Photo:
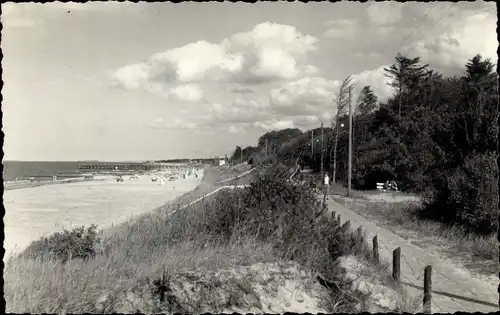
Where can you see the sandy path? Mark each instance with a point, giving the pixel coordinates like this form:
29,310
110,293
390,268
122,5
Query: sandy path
34,212
446,278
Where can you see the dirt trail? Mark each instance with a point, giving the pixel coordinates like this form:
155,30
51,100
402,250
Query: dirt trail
462,292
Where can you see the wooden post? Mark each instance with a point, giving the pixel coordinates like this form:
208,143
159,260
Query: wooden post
427,289
338,219
359,240
359,234
396,264
346,226
375,250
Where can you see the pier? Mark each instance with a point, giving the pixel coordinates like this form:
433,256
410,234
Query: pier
128,166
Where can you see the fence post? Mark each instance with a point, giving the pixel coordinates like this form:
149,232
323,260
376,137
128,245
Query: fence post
359,234
396,264
346,226
359,240
375,250
427,289
334,218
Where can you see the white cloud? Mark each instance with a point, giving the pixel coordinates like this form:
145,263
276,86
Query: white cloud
193,61
384,13
188,93
133,76
269,52
377,80
461,39
309,95
236,129
302,103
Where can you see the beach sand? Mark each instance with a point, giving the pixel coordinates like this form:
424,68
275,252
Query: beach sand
37,211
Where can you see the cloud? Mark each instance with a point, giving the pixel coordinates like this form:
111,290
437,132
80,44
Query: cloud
275,124
236,129
240,111
188,93
301,103
309,95
270,52
242,91
384,13
377,80
137,76
341,29
177,124
449,35
465,35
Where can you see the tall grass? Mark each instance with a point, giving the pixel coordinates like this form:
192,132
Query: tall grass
271,221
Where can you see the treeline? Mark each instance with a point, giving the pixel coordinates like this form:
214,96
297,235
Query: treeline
436,136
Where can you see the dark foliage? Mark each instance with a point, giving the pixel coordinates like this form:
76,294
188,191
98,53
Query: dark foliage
78,243
436,136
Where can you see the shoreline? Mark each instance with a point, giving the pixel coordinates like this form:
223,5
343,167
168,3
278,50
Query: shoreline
23,185
46,209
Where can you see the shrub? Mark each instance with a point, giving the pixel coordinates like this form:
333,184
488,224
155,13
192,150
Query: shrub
76,244
276,212
466,195
474,192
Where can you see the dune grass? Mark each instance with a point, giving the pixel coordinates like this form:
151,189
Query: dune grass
271,221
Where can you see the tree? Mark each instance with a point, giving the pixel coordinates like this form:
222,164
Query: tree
367,102
342,101
406,74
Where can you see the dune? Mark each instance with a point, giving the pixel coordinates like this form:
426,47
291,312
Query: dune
31,213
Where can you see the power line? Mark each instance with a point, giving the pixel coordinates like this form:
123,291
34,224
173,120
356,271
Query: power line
445,14
418,25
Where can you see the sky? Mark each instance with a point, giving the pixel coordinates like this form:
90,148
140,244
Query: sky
141,81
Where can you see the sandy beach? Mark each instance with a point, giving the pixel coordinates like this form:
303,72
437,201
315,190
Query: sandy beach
37,211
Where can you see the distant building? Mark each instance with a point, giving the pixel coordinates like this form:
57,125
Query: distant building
222,161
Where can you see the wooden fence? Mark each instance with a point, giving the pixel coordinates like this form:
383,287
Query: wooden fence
396,261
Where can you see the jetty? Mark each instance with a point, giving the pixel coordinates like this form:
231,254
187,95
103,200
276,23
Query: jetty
129,166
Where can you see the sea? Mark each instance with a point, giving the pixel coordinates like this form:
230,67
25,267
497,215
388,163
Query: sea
40,171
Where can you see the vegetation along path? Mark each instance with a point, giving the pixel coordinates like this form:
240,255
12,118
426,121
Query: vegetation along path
453,289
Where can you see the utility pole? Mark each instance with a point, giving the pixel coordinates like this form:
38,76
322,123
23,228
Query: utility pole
322,141
349,174
312,144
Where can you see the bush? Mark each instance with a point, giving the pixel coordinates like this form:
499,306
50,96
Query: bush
474,192
76,244
270,211
466,195
276,212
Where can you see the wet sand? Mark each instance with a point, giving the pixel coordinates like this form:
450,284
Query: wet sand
37,211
